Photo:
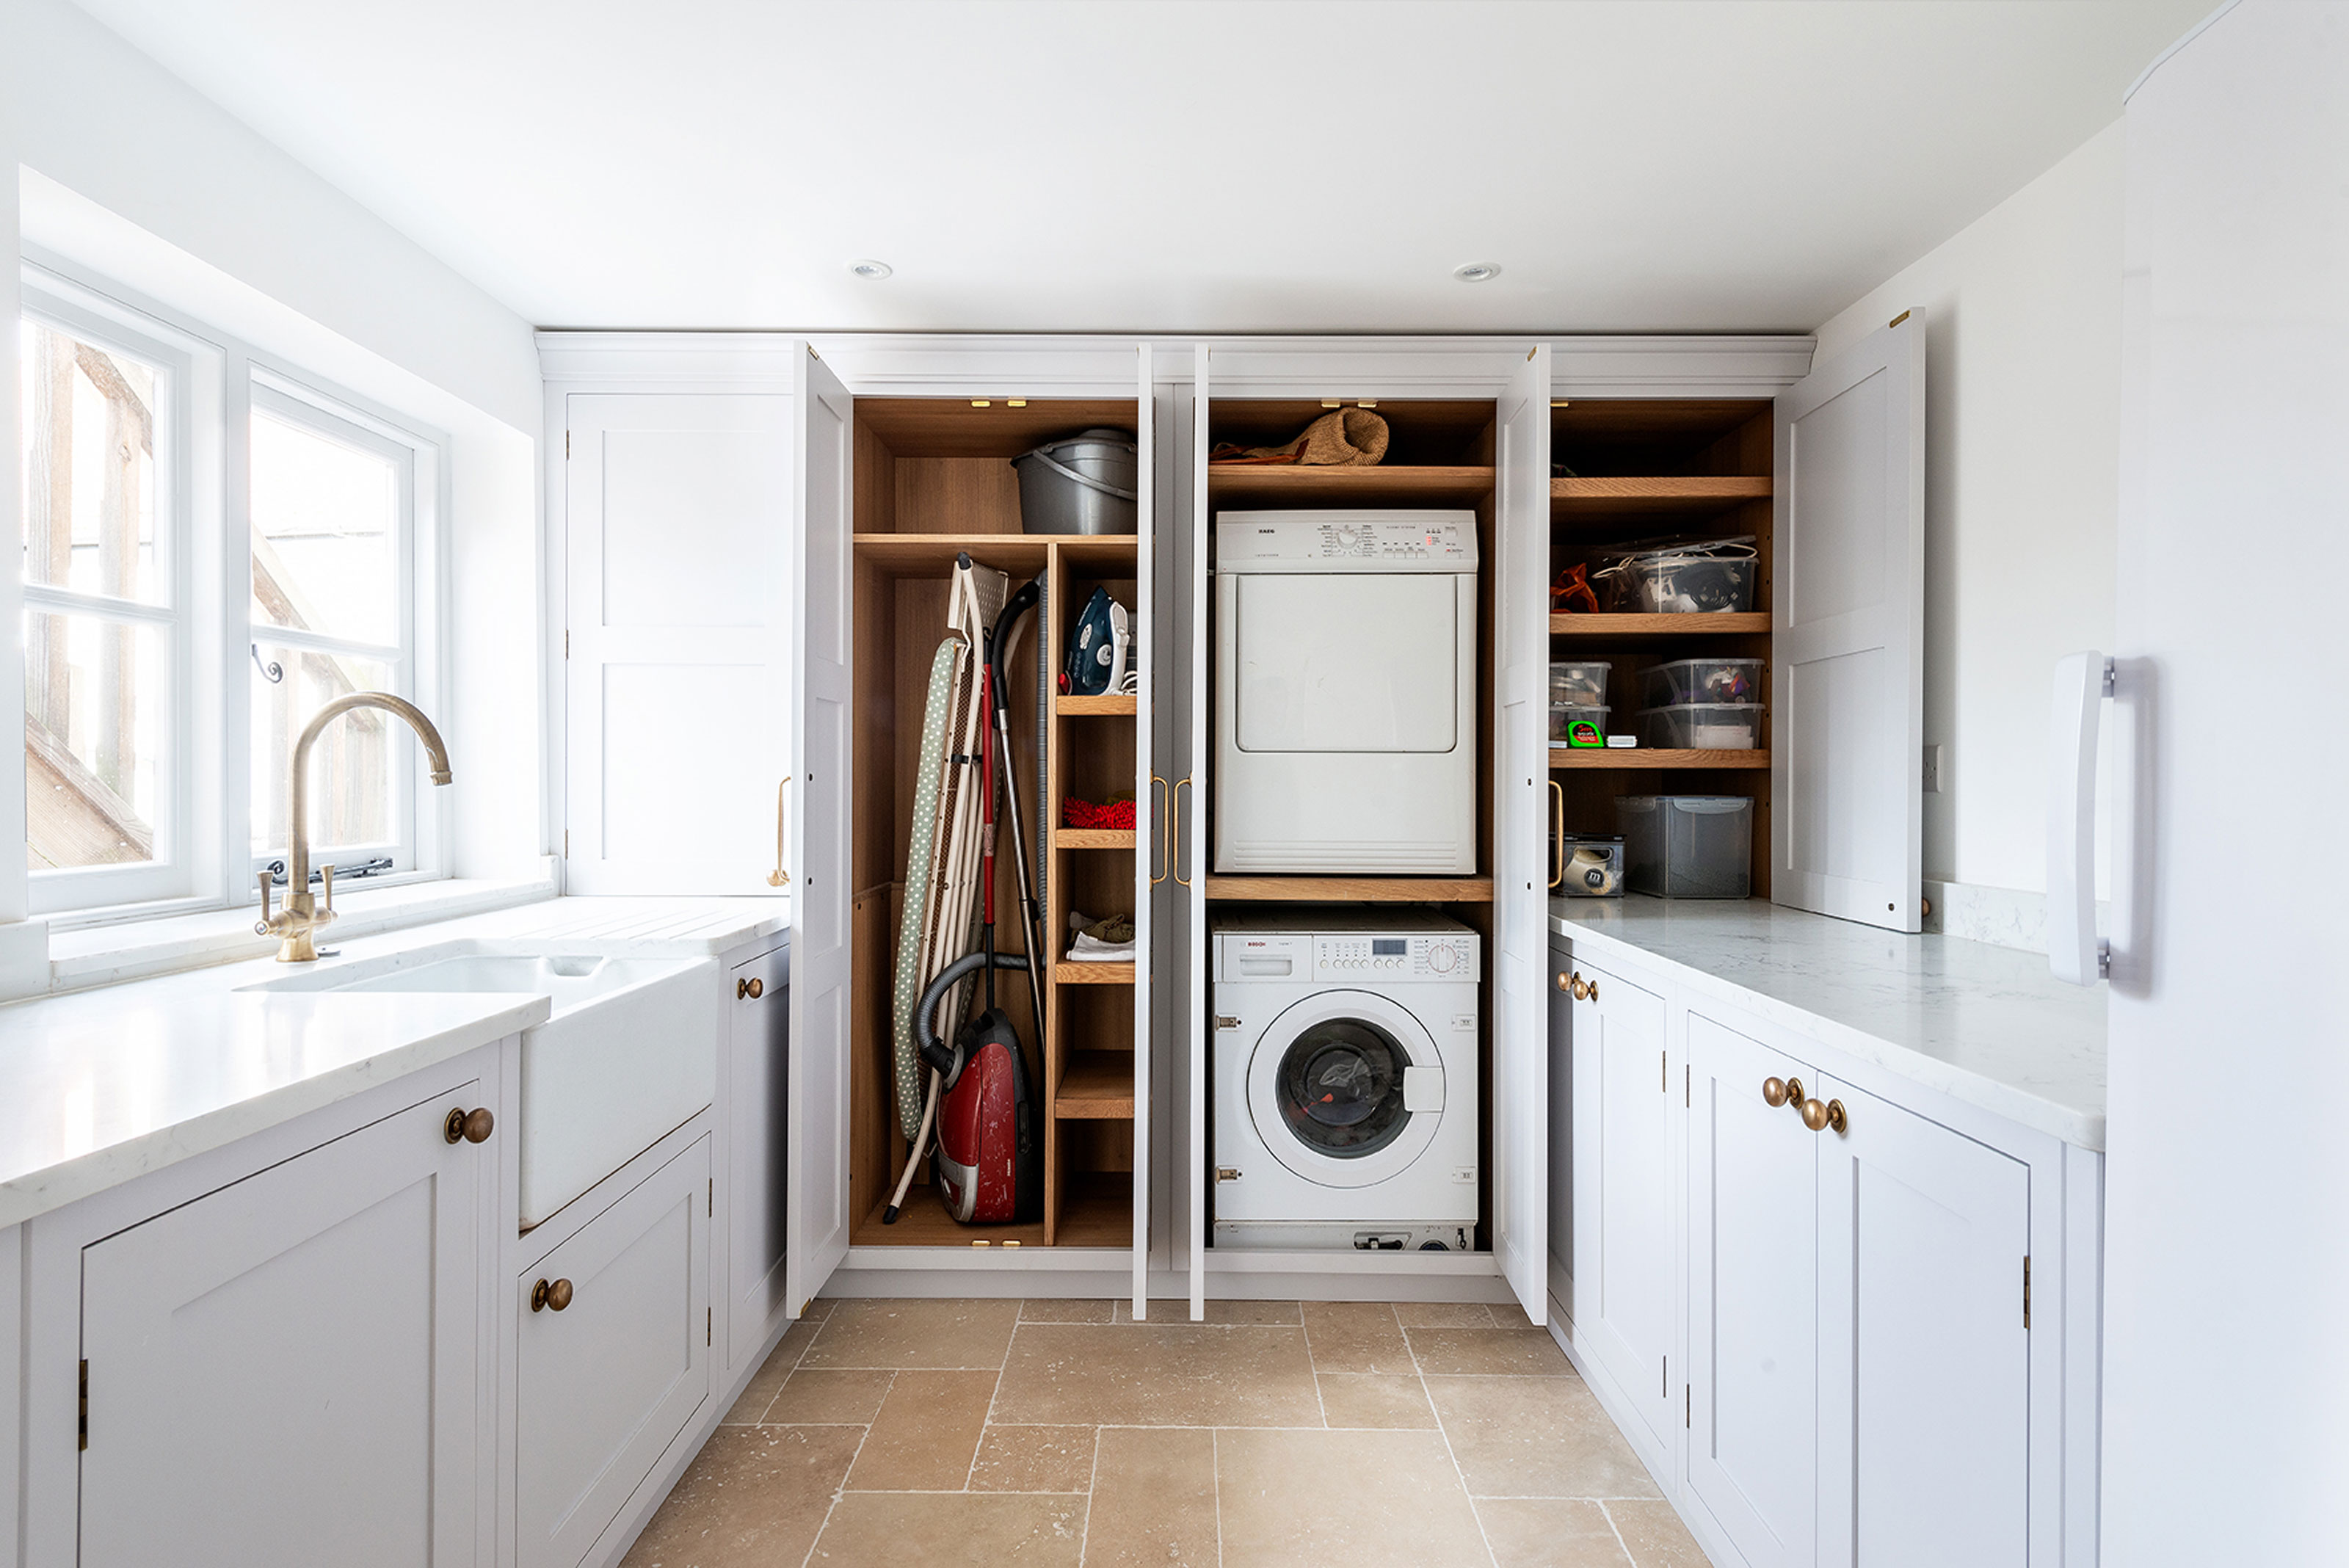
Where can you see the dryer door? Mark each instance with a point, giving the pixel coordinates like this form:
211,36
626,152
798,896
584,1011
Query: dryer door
1346,662
1346,1089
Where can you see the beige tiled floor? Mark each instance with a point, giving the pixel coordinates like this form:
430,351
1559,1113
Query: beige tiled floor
1063,1433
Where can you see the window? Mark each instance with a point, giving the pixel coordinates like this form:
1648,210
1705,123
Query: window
214,549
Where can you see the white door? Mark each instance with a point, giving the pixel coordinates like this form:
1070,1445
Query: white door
285,1371
1924,1386
612,1359
1751,1406
1146,425
1561,1134
1626,1274
1847,641
758,1062
1520,1097
1190,860
679,619
817,1218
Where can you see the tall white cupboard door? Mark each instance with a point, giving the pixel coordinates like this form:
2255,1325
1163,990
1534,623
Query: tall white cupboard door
1924,1351
1188,843
758,1062
1627,1100
1847,634
678,625
816,1201
612,1359
1145,848
1562,1144
1520,1098
1751,1407
284,1371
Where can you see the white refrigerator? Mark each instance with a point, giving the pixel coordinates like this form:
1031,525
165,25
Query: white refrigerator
2226,1350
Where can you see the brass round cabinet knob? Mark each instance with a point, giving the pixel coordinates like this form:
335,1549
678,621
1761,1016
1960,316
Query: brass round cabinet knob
1774,1092
473,1125
1583,990
1565,982
550,1295
1814,1115
753,988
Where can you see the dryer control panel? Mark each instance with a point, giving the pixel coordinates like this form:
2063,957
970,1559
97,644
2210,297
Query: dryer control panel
1399,956
1355,539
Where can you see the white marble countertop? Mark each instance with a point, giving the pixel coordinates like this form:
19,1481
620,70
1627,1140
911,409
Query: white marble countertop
1987,1025
101,1085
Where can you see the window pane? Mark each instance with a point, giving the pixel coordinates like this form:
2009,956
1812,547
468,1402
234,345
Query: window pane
325,524
350,765
94,696
89,439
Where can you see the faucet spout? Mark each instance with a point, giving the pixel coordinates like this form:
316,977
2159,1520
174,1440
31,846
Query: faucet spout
303,913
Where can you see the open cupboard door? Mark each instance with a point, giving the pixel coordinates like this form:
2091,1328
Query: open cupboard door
816,1202
1520,946
1190,864
1146,847
1848,633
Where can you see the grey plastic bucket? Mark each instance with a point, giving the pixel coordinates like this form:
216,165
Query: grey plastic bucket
1084,483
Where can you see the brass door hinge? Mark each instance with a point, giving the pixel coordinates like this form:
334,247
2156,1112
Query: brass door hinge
85,1403
2027,1292
1897,319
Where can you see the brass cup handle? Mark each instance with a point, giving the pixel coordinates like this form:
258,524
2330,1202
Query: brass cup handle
550,1295
753,988
472,1127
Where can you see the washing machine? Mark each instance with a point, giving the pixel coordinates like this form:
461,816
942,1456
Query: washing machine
1346,692
1345,1081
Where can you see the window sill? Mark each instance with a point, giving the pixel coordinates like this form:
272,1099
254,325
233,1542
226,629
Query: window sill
106,955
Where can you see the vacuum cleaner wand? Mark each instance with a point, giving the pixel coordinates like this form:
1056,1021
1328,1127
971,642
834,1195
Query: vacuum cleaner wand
1001,641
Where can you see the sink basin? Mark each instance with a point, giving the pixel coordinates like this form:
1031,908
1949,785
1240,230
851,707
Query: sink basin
629,1054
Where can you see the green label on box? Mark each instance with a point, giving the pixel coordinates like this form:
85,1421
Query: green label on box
1583,732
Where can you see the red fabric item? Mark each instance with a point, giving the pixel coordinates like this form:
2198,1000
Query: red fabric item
1118,814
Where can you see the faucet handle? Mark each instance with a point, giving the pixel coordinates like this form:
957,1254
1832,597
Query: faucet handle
325,911
261,927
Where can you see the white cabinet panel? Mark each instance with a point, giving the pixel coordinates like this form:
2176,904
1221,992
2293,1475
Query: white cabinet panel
1562,1147
758,1064
1847,646
604,1384
1924,1358
679,598
1751,1407
284,1371
1627,1279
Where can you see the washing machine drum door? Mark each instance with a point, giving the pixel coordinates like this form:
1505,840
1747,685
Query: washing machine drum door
1326,1089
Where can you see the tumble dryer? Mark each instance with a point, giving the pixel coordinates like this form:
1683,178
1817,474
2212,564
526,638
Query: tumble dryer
1345,1081
1346,692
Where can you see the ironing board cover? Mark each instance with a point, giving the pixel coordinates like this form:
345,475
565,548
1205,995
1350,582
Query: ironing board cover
940,912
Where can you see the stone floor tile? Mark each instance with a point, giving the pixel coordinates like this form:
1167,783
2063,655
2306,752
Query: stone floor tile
1350,1400
1367,1500
1655,1535
836,1399
1444,1314
1158,1375
936,1335
760,1391
1154,1499
1535,1436
1356,1336
1047,1309
1227,1312
1034,1459
752,1497
926,1433
1549,1533
1484,1352
951,1529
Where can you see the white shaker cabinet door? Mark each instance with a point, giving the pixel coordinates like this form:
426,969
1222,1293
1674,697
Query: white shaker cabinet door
612,1360
1924,1358
679,619
1625,1100
284,1372
1752,1406
757,1063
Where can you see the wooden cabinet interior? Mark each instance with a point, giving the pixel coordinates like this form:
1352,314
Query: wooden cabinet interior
1661,469
933,479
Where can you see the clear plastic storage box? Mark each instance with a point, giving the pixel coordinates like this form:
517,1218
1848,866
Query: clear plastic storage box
1589,867
1702,727
1578,682
1704,578
1687,846
1565,716
1698,681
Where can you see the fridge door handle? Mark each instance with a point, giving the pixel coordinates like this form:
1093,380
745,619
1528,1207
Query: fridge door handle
2083,680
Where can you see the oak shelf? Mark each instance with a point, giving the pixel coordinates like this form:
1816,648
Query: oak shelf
1353,889
1093,838
1278,481
1071,972
1652,759
1097,1087
1111,703
1745,623
1674,493
1016,553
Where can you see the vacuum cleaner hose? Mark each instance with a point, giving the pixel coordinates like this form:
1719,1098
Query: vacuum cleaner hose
946,1060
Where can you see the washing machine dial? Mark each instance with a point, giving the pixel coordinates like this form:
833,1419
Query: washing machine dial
1347,538
1442,957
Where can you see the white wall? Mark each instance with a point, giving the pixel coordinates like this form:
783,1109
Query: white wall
2022,494
113,164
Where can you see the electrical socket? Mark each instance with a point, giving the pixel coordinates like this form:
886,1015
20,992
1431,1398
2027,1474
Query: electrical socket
1933,768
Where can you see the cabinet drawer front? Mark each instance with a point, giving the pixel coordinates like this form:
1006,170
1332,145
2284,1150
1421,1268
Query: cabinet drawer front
284,1371
604,1384
1924,1358
1752,1283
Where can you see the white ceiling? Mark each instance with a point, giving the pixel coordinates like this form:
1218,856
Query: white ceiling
1631,164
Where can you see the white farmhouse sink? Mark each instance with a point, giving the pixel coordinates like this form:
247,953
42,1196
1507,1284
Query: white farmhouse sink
629,1054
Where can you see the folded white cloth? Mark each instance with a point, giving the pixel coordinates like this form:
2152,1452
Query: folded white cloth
1088,948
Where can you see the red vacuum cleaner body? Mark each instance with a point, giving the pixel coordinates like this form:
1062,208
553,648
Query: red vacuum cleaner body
988,1172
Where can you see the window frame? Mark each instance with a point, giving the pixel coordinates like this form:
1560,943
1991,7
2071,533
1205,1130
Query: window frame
222,382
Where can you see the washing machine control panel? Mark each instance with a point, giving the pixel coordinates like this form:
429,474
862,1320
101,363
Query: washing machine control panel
1399,956
1354,539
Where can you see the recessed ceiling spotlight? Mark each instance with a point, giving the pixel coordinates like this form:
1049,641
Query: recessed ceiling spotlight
1477,271
868,269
